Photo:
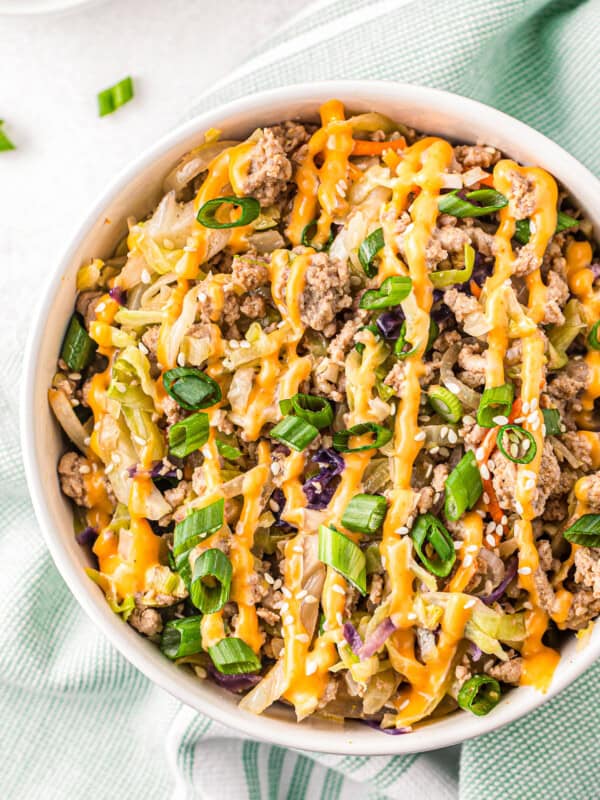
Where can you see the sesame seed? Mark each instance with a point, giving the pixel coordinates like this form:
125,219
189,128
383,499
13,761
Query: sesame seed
109,469
87,441
275,468
458,545
444,452
524,570
338,589
137,440
504,520
145,276
499,529
202,297
444,431
472,548
310,598
411,615
74,376
179,474
543,431
402,530
269,578
434,450
277,584
142,348
452,387
339,619
490,540
286,592
234,344
403,704
284,607
490,527
468,420
467,561
181,360
116,458
311,667
534,404
486,498
500,420
301,594
100,307
302,637
470,603
518,507
274,506
288,620
525,407
452,437
420,436
245,344
298,549
84,469
485,473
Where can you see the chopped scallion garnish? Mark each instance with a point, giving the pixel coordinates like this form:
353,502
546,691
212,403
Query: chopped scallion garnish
365,513
495,402
191,388
463,487
341,554
444,403
308,234
78,347
197,526
5,142
227,450
295,432
182,637
592,339
479,694
309,407
552,421
563,223
207,215
391,293
115,96
434,545
368,250
188,434
211,581
232,656
341,439
485,201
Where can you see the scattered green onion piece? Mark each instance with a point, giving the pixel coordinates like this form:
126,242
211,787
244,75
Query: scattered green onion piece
449,277
78,347
228,451
212,564
496,402
232,656
197,526
308,234
463,487
454,205
585,531
563,223
592,338
368,250
444,403
191,388
181,637
115,96
316,410
552,421
188,435
428,530
295,432
525,455
479,694
391,293
359,346
365,513
341,439
401,341
207,215
5,142
341,554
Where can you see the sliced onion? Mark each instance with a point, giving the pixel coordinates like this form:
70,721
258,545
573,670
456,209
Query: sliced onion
266,241
194,163
380,689
267,692
68,419
465,394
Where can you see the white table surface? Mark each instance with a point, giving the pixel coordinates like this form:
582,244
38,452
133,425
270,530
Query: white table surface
52,67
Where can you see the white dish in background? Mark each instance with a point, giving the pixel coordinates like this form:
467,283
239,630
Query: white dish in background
30,7
135,192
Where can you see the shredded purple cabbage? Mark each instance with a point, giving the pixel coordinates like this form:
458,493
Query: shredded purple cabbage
390,731
158,470
511,571
279,499
474,651
87,537
234,683
321,487
596,270
352,636
390,322
481,270
377,639
118,294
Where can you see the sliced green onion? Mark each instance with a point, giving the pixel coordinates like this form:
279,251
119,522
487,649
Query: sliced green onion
448,277
463,487
316,410
78,347
295,432
308,234
197,526
365,513
454,205
391,293
181,637
368,250
5,142
115,96
479,694
207,215
428,532
211,596
444,403
228,451
191,388
188,435
341,554
552,421
401,341
359,346
496,402
592,338
563,223
585,531
341,439
521,444
232,656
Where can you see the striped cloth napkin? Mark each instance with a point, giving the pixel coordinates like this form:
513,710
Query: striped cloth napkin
77,719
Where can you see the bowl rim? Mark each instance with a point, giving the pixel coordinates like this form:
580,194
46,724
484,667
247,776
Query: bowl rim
288,734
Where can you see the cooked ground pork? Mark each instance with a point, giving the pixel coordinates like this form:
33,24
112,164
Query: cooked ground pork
270,169
460,304
326,293
507,671
72,469
250,271
505,476
146,620
86,306
587,568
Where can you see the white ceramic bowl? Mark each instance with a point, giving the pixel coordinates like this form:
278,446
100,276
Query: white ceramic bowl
135,192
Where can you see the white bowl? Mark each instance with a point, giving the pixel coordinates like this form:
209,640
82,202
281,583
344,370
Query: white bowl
135,192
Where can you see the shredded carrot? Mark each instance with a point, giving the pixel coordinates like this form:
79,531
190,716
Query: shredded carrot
366,148
489,181
475,289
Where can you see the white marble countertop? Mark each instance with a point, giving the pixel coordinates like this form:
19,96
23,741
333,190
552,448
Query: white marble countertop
52,67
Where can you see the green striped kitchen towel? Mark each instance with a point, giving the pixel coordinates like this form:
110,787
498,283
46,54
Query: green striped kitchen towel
77,721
